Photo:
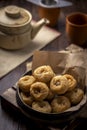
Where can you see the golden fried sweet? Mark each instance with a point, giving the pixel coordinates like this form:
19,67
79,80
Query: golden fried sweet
39,90
75,96
42,106
25,82
59,84
60,104
27,98
72,83
43,73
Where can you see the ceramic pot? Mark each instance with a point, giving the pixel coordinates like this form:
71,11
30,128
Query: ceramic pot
16,29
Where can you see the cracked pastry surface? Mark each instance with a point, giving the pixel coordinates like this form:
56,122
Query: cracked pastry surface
43,73
59,84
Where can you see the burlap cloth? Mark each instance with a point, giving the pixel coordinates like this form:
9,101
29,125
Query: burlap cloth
82,55
73,55
11,59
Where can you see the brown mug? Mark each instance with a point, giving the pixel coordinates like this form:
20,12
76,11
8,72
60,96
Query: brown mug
76,27
48,9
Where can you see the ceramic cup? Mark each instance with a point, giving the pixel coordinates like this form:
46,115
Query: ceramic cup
49,11
76,27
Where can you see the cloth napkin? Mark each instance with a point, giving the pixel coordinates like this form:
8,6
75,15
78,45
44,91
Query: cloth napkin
11,59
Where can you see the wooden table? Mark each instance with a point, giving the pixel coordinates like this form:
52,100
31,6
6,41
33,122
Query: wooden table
15,121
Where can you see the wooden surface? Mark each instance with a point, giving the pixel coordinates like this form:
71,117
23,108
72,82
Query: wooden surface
13,120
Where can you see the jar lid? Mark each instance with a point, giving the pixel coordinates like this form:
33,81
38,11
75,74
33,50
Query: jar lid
14,16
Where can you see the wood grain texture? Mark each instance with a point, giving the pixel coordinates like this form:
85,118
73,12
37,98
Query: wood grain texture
16,121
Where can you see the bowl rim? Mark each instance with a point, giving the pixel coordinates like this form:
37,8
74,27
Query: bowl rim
27,109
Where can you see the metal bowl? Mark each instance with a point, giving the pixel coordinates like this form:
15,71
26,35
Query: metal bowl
49,118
